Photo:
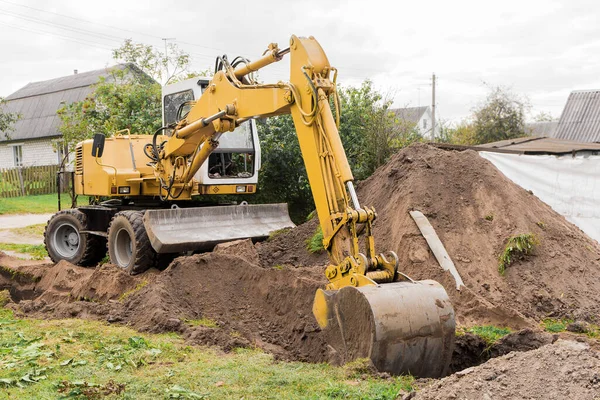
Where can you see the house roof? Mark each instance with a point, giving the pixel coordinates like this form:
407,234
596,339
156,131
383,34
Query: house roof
37,103
580,119
410,114
531,145
541,129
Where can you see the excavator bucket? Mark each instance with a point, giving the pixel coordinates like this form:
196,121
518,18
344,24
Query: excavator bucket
403,327
202,228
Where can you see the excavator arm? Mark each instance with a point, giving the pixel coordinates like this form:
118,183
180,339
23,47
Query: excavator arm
404,326
231,99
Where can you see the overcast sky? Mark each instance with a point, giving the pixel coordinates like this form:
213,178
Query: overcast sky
541,49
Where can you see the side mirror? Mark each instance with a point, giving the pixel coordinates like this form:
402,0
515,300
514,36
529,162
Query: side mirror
98,145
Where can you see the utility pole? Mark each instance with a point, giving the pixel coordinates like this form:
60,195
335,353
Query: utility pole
433,107
167,55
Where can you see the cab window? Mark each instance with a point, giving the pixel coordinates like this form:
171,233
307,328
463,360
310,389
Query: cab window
173,101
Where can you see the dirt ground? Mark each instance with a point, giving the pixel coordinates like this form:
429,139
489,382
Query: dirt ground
563,370
261,295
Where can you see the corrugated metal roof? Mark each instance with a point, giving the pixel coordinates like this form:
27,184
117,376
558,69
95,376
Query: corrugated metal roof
541,129
38,102
410,114
580,120
529,145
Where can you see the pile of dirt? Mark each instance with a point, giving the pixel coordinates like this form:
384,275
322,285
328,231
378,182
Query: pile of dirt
563,370
226,300
474,209
217,298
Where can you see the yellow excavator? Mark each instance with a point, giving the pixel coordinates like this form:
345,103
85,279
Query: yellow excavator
208,146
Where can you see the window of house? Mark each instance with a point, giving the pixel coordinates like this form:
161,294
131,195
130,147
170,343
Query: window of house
18,155
424,124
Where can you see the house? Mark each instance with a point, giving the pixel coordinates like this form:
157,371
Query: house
580,119
420,118
35,139
562,173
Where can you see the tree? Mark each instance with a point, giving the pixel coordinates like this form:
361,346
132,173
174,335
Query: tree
124,100
164,68
462,133
7,120
500,117
370,132
544,116
282,177
129,98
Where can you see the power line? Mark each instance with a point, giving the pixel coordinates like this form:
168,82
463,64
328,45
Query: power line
71,39
60,26
79,19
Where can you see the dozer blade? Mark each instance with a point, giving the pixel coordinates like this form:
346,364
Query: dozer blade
202,228
403,327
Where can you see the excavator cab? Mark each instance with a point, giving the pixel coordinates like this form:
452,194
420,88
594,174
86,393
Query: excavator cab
236,161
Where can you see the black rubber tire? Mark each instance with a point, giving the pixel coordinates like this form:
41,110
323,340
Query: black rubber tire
90,248
137,255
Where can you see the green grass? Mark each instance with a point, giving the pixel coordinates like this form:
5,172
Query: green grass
315,243
518,245
31,230
555,325
489,333
41,204
79,359
560,325
37,251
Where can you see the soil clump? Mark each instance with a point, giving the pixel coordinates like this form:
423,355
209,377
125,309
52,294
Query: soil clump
563,370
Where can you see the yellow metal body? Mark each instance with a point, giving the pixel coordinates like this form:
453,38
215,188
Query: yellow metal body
231,98
117,168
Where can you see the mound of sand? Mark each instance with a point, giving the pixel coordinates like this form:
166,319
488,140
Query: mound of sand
563,370
474,209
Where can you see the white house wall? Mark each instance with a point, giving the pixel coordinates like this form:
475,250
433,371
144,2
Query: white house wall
570,185
35,152
426,132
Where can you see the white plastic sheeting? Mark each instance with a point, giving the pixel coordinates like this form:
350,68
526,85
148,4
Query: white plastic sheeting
570,185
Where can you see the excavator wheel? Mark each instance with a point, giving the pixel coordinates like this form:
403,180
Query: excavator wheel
403,327
128,243
64,241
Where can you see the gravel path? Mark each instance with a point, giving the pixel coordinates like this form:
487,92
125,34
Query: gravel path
8,222
22,220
